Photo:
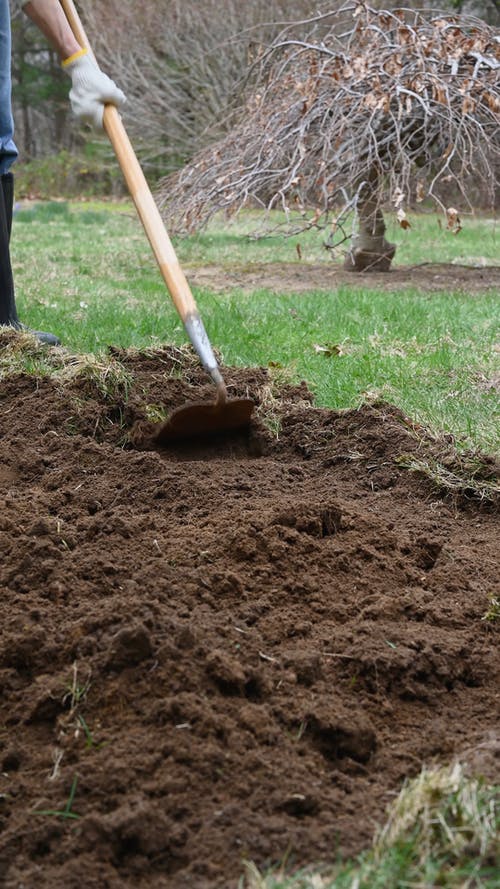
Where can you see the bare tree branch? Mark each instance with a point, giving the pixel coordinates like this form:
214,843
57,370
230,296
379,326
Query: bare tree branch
350,110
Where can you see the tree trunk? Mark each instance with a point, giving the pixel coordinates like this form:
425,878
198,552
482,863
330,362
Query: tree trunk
369,251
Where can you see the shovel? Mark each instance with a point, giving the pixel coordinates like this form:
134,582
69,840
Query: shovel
224,415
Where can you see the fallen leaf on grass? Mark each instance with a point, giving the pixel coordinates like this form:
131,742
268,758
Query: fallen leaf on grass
330,350
453,220
402,219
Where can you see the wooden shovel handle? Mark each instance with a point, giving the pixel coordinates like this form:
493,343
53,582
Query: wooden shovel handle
140,192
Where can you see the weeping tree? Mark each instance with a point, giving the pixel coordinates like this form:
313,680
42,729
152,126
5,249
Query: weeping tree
349,113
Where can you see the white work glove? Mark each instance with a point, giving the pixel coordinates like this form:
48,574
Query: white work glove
91,89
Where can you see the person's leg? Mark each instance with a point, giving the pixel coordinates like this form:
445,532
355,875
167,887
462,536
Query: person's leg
8,154
8,314
8,150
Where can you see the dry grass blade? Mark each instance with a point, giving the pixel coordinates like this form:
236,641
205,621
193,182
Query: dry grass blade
467,482
18,347
106,376
448,809
442,816
22,352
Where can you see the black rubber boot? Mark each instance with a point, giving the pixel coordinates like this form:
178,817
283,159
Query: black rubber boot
8,312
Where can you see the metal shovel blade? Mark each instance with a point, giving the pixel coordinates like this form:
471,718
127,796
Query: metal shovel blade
201,420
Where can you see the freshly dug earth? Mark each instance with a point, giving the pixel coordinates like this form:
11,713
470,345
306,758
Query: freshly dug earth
226,651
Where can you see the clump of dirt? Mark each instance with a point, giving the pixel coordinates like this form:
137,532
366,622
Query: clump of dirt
224,652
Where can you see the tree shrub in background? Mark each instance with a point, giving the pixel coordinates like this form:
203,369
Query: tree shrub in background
40,93
350,110
182,64
90,172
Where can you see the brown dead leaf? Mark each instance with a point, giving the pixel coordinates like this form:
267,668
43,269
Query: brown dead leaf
453,220
370,100
402,218
360,65
493,102
384,103
439,94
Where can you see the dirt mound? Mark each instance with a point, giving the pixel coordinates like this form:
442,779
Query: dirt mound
219,653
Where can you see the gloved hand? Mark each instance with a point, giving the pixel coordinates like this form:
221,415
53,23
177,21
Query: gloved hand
91,89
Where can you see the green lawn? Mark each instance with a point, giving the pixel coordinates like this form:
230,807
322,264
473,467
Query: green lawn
428,240
86,272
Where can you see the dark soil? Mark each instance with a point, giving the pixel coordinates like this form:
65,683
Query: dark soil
226,651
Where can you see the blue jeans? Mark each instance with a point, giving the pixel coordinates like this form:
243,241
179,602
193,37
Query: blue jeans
8,150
